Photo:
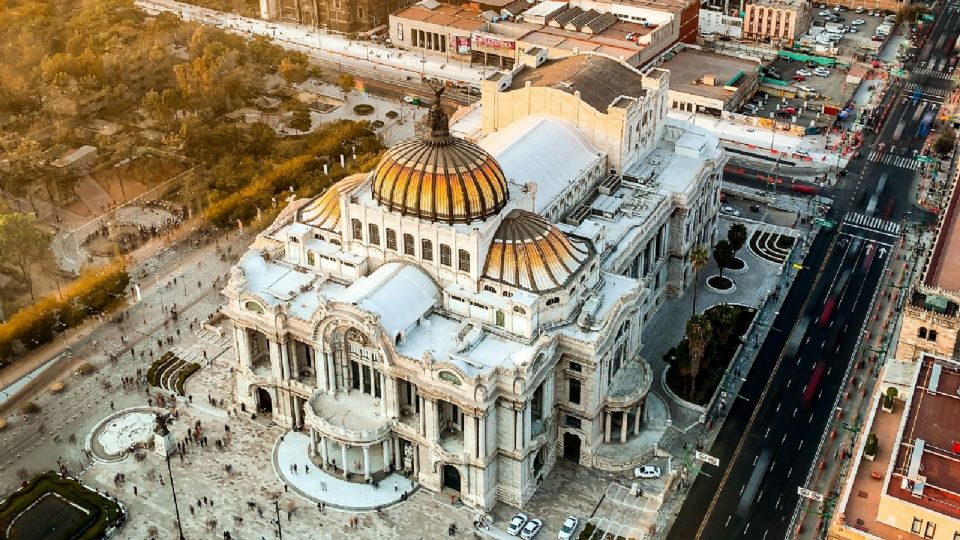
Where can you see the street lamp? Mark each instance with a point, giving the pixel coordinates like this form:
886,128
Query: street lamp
276,506
162,431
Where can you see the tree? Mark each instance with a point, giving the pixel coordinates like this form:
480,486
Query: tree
346,83
910,12
945,142
723,255
293,70
870,448
22,242
724,319
300,121
737,236
698,336
699,257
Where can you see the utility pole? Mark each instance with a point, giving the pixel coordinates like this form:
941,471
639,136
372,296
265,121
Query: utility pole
276,506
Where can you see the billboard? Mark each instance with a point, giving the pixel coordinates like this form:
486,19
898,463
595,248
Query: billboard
493,44
460,44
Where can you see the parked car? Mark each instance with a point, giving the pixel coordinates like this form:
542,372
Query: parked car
858,10
821,72
804,72
877,38
824,13
750,108
807,88
783,114
789,110
652,471
858,22
516,524
568,529
531,529
803,153
799,78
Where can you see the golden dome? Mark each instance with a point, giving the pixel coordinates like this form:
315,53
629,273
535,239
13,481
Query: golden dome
439,177
530,253
324,211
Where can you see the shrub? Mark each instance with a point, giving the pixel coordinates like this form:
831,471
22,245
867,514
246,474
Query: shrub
185,372
870,448
363,109
85,369
29,408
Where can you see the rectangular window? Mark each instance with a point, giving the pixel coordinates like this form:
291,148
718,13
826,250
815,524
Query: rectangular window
917,526
357,229
426,250
366,379
572,421
463,260
575,366
374,232
377,391
445,255
355,374
408,244
931,530
391,239
311,260
574,394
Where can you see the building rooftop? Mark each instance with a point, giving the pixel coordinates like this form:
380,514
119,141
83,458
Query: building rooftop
779,3
943,272
444,15
600,80
688,67
926,443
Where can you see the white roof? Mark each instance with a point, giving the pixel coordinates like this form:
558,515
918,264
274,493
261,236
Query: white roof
544,8
271,282
399,293
542,149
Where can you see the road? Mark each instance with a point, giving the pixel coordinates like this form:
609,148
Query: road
787,404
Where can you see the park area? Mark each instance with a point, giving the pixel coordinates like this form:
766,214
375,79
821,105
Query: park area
51,507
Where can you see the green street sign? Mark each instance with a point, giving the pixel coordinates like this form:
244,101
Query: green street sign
925,159
824,223
927,17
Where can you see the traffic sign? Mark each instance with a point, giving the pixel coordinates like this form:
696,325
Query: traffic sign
927,17
804,492
707,458
925,159
797,266
824,223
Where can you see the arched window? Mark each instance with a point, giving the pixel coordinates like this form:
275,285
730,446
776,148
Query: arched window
463,260
391,239
553,301
489,288
932,335
357,228
520,310
445,255
508,294
426,250
922,333
408,244
374,233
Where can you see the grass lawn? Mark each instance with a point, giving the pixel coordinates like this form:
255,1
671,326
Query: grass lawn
50,507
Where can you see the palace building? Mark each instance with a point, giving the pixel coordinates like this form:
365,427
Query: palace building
473,307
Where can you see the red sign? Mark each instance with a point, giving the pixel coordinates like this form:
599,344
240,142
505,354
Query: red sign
492,44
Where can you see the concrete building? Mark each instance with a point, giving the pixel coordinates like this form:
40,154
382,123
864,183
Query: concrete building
777,22
708,82
909,486
931,316
336,15
713,21
467,311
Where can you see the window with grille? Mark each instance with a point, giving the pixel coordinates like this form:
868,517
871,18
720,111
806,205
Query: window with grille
374,233
553,301
445,256
463,260
357,228
391,239
426,250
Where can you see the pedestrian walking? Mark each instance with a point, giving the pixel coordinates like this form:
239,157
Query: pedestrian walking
191,510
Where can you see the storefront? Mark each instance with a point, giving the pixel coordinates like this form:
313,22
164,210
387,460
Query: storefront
491,50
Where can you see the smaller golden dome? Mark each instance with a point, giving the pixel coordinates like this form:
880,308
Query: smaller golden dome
528,252
324,211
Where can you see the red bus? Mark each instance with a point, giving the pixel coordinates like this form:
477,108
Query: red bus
827,312
814,384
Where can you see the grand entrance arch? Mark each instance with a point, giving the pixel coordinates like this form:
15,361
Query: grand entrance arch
264,401
571,447
451,477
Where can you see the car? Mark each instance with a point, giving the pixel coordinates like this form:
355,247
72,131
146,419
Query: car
858,22
783,114
531,529
858,10
822,6
789,110
836,8
807,89
409,99
821,72
877,38
516,524
824,13
803,153
804,72
852,30
799,78
568,528
652,471
750,107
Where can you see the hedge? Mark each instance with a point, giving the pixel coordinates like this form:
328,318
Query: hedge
92,293
103,514
184,374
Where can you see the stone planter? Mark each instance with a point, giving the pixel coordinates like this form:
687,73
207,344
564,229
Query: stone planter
741,270
733,285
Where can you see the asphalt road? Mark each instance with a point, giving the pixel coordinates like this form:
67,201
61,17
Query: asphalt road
786,405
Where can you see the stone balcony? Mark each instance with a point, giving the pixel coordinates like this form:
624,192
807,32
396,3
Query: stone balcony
353,417
630,384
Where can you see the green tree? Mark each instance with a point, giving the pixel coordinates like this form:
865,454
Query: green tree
300,121
910,12
724,320
699,257
346,83
737,236
723,255
699,332
293,70
945,142
22,242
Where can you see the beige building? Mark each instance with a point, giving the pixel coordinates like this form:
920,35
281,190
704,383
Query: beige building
931,316
776,21
909,486
708,82
337,15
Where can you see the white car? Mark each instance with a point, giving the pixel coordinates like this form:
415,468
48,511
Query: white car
531,529
804,72
568,529
824,13
516,524
808,89
803,153
858,10
858,22
652,471
408,99
821,72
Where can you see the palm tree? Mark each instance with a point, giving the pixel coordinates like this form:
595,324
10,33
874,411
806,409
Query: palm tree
737,236
723,255
724,318
699,332
699,257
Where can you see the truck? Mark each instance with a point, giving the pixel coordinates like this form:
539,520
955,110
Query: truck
753,484
925,125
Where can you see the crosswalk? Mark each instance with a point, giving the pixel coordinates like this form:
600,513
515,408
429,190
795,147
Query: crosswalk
938,92
932,73
895,160
871,223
